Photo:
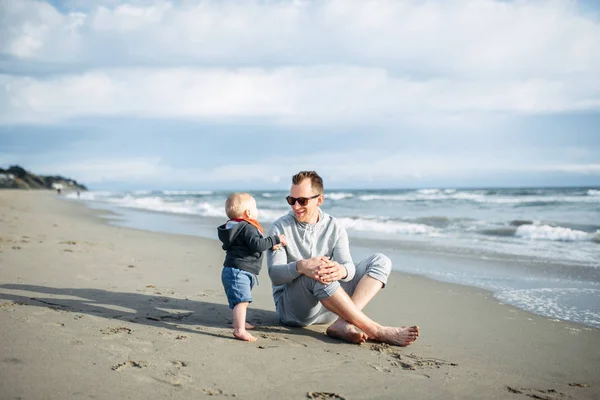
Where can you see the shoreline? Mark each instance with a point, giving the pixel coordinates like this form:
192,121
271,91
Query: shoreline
529,277
127,311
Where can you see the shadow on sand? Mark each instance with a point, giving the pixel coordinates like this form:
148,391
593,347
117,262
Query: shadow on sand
184,315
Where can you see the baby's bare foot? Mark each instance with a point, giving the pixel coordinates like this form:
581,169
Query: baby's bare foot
242,334
343,330
249,326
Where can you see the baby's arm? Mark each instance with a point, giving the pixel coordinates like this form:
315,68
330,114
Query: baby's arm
282,241
257,242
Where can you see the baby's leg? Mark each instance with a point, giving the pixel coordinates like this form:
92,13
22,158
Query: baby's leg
239,323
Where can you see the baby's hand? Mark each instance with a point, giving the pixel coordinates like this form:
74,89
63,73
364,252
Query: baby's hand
276,247
282,240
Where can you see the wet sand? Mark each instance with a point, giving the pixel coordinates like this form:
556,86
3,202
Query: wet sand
89,310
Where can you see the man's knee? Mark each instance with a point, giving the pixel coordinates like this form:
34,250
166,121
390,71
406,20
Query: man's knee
319,290
380,267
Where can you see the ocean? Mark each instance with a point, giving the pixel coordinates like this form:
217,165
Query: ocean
534,248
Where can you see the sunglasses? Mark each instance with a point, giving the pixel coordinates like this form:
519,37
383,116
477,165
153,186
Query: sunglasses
303,201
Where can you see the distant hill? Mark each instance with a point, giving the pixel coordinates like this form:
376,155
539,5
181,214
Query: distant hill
16,177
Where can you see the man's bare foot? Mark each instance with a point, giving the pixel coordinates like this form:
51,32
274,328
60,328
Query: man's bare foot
401,336
249,326
343,330
242,334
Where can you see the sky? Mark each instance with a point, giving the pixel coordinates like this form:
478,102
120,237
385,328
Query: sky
194,94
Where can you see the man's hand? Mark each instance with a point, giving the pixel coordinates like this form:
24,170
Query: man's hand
311,267
332,271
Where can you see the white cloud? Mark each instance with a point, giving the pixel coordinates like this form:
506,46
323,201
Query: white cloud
490,38
310,94
299,61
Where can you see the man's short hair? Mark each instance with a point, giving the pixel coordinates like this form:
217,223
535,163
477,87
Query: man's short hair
235,204
315,180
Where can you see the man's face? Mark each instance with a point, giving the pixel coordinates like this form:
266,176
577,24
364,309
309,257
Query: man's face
310,212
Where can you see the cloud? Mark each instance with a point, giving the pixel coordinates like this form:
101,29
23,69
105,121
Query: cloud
294,60
439,37
295,93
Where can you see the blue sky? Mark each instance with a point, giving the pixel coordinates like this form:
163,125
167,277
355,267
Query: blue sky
243,94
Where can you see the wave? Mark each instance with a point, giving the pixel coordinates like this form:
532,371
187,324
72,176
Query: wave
501,231
593,192
160,204
338,195
563,303
90,195
187,192
553,233
480,197
436,221
361,224
519,222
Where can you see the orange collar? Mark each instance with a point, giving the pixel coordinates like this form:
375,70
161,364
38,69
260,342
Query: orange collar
252,222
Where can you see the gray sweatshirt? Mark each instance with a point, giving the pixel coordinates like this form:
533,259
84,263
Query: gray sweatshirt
325,238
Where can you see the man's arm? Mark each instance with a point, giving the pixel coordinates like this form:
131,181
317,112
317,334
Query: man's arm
280,270
341,255
341,267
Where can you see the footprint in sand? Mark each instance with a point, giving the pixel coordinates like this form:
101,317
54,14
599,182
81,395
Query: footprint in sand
116,330
542,394
10,305
217,392
324,396
175,376
129,363
410,361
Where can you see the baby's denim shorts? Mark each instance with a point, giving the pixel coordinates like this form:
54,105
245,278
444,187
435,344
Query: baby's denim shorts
238,285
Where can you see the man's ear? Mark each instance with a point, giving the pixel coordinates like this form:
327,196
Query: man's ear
320,199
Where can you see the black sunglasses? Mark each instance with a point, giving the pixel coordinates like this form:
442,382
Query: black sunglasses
303,201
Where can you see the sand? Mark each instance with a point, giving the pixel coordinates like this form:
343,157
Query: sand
89,310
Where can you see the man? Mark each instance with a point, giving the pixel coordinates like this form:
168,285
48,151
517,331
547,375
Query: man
314,278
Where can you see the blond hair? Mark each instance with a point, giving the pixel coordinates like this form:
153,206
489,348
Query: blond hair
235,205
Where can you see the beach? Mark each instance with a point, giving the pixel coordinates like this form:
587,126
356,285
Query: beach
91,310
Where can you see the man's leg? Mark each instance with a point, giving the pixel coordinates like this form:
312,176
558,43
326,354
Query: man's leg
371,275
302,302
342,305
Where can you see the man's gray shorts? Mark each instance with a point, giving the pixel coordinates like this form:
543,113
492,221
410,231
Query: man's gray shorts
299,304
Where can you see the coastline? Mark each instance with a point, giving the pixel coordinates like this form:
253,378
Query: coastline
556,289
126,311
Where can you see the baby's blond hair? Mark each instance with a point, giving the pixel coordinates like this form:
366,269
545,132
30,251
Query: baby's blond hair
235,205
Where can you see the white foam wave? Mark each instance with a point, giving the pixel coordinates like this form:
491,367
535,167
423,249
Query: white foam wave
89,195
554,233
270,215
429,191
593,192
477,197
142,192
187,192
359,224
338,195
159,204
562,303
267,195
431,195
